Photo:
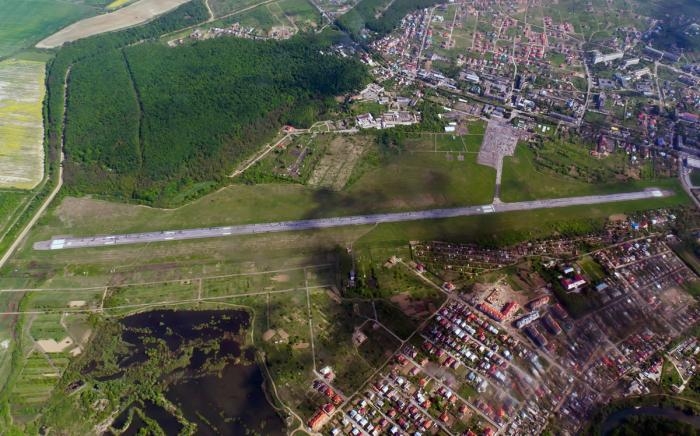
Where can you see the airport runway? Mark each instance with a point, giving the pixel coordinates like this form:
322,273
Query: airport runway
60,243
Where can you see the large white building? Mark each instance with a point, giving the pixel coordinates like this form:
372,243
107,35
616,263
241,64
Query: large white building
598,57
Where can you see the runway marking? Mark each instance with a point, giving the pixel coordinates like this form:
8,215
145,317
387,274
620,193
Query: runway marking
62,242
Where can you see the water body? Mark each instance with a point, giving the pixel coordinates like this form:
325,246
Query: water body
229,405
120,421
137,423
166,421
176,327
616,419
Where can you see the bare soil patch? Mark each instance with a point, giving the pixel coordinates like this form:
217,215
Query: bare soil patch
410,307
51,346
280,278
131,15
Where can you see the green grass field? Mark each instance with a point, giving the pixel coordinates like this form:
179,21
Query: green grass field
59,300
269,262
224,7
48,327
592,269
669,375
293,14
24,23
424,180
523,179
467,143
512,227
10,202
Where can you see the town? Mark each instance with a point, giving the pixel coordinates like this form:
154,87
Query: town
366,217
545,334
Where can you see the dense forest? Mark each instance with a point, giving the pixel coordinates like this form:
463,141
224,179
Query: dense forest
186,15
371,14
147,121
114,108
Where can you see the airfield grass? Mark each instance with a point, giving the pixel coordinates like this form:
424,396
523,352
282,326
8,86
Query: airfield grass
512,227
188,260
524,180
420,181
259,256
408,181
470,143
23,23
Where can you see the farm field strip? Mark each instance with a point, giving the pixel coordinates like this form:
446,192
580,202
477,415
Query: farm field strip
21,123
131,15
121,309
24,22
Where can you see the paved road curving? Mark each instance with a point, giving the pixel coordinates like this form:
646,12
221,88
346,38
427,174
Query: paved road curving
59,243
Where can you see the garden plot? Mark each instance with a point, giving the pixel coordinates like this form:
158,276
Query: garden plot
335,168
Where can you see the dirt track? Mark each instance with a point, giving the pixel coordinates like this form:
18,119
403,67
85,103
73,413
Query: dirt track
136,13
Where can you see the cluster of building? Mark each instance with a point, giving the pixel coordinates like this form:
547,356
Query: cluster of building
493,360
387,120
471,259
406,399
238,31
571,280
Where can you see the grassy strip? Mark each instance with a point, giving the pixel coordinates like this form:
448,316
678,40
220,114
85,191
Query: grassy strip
523,179
512,227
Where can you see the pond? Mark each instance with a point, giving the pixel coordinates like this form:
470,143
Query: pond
231,404
614,420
